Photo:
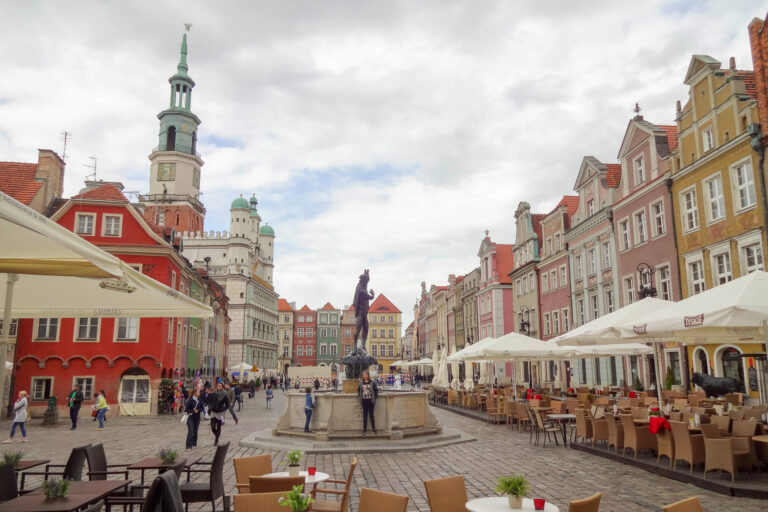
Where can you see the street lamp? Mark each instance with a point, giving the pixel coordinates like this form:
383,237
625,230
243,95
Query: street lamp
646,290
525,316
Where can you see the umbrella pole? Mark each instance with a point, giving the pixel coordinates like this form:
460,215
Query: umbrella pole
12,278
658,372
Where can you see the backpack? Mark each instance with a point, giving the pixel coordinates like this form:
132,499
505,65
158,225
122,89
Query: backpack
219,402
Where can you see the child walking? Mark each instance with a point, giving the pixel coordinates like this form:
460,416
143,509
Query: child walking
270,394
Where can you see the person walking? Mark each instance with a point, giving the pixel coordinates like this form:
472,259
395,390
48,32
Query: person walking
317,384
20,418
231,403
75,400
101,408
368,391
218,407
193,407
270,394
309,405
238,397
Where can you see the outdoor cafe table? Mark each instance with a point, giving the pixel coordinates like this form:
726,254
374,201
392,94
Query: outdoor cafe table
24,465
501,504
158,464
761,446
315,479
562,419
80,495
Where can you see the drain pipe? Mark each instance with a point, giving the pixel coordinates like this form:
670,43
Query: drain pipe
757,144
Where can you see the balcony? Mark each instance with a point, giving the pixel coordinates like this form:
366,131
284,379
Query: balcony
179,147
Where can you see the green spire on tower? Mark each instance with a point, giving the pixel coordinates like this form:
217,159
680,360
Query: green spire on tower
182,67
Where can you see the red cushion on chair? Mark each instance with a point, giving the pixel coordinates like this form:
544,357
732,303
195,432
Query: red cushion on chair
537,397
528,396
656,423
632,394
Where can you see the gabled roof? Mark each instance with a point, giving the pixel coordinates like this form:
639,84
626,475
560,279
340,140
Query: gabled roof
306,309
106,192
698,62
505,261
671,135
572,202
382,304
17,179
328,307
613,175
283,305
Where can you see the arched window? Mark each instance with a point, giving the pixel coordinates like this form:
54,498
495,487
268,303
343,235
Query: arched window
194,142
701,361
178,218
732,365
170,141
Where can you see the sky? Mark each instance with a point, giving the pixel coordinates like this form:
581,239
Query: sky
380,135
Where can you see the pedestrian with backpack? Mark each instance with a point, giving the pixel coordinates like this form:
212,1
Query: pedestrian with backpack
219,405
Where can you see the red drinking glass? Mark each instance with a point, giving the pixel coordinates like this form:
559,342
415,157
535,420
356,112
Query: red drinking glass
311,470
539,503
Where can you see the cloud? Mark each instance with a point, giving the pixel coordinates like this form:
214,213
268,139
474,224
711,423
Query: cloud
381,135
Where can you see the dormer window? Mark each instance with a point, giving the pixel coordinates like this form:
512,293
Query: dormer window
639,171
112,225
85,223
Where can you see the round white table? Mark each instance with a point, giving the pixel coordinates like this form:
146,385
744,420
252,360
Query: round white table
318,477
501,504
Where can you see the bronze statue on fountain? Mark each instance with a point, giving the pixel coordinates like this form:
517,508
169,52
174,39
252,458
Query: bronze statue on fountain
359,359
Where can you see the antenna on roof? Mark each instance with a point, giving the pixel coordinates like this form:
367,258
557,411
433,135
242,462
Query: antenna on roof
92,165
65,135
131,194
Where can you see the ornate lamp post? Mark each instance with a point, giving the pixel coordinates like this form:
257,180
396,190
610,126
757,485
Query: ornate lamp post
647,290
525,317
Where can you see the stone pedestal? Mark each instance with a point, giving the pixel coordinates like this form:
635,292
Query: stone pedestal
50,418
350,386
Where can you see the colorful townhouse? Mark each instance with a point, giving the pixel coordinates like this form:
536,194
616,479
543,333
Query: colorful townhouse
469,287
554,283
455,314
718,197
285,335
304,340
495,294
386,327
644,230
328,335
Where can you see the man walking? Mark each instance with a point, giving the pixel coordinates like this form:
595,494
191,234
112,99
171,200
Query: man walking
231,403
75,400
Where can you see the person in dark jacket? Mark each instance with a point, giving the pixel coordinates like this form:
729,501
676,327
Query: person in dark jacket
75,401
368,392
193,408
218,407
239,397
317,384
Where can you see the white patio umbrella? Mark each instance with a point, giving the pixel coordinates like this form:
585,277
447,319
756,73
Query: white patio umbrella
240,367
463,354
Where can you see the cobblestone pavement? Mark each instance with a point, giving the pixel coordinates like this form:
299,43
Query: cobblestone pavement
556,474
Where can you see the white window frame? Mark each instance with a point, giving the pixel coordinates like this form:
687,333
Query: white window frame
577,268
547,325
580,309
51,339
391,333
708,139
605,248
590,207
628,283
544,282
639,168
738,206
553,279
591,262
519,284
719,200
610,301
104,223
689,214
76,333
566,319
640,226
135,339
721,251
81,215
594,306
309,351
33,396
690,261
299,350
556,322
750,241
14,327
323,350
665,285
86,395
563,276
624,234
659,224
532,281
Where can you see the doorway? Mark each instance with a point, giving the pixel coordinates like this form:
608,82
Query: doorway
134,393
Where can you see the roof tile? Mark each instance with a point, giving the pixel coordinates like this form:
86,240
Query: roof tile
283,305
613,176
671,135
381,303
505,261
17,179
106,192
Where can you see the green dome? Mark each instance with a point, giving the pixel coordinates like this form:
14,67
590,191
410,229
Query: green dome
267,230
241,203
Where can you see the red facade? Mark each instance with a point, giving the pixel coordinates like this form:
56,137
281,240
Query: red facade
305,336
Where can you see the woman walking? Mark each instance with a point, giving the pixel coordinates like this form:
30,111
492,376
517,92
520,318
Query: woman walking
101,409
20,408
270,394
368,392
193,408
218,406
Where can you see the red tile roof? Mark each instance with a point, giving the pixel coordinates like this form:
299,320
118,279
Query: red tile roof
306,309
613,176
505,261
17,179
381,303
536,219
572,202
328,307
409,325
283,305
671,135
107,192
440,288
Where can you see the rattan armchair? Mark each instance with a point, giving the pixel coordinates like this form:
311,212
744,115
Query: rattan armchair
545,427
334,505
691,504
723,423
688,447
615,433
745,429
599,428
666,445
725,453
379,501
446,494
492,413
250,466
258,484
591,504
583,426
522,416
511,414
636,438
263,502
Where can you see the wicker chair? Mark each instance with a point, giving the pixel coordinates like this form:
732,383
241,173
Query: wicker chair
72,470
723,423
492,413
164,495
599,429
379,501
263,502
666,446
691,504
250,466
745,430
522,416
446,494
512,414
615,433
725,454
583,426
333,505
636,438
688,447
258,484
213,489
640,413
591,504
8,488
546,427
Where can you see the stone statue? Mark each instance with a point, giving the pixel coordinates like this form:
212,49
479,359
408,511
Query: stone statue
359,360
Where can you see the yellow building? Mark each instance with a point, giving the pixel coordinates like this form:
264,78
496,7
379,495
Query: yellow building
719,207
386,325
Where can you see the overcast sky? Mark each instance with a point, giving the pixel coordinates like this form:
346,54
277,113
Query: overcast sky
376,134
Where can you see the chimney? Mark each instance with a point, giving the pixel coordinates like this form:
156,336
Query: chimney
732,64
50,170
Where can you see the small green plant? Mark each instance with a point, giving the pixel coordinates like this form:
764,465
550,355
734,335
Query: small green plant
637,384
257,382
168,456
12,458
513,485
55,488
296,499
669,379
294,457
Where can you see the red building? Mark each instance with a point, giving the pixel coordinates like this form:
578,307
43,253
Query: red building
304,336
126,357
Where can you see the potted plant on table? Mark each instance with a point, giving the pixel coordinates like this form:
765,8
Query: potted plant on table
168,456
294,457
516,487
296,499
55,488
11,458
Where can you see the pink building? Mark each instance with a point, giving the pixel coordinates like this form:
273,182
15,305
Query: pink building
496,313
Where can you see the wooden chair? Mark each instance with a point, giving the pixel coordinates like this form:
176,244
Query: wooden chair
688,447
583,426
379,501
691,504
666,445
263,502
591,504
492,413
258,484
334,505
512,414
250,466
615,433
446,494
636,438
726,454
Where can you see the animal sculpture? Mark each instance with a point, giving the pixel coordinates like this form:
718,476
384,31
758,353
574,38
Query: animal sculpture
715,386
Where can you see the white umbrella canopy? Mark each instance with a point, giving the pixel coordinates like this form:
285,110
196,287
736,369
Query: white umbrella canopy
620,349
514,345
465,353
735,310
240,367
442,369
604,330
